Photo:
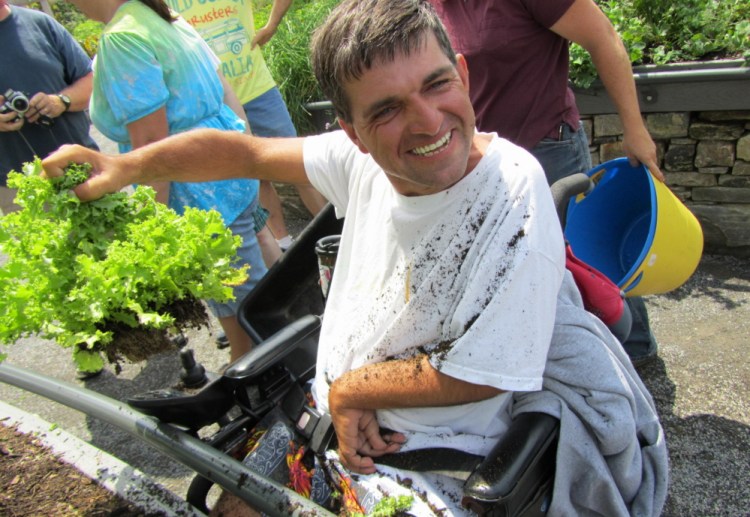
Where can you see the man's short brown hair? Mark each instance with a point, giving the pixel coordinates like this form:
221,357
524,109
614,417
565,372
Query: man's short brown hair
358,33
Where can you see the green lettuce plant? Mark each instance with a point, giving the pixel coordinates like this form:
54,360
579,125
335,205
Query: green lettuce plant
91,276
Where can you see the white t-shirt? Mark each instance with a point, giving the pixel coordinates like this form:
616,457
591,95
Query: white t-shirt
468,276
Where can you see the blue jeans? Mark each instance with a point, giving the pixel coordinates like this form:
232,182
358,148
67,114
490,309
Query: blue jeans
269,116
248,253
566,156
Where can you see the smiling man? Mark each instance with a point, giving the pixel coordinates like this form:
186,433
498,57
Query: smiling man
451,261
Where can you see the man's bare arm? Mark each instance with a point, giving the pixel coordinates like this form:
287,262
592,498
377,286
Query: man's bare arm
404,383
355,396
584,23
193,156
265,33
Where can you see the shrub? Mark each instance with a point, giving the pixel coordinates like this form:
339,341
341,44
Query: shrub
660,31
288,56
86,32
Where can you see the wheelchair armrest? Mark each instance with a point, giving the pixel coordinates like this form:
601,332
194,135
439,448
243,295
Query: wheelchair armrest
518,470
268,353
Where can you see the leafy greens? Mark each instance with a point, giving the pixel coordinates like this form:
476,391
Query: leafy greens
73,269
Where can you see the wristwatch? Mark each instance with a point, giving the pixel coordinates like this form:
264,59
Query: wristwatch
65,100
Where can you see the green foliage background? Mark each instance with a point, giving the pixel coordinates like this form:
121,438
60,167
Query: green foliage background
665,31
653,31
288,56
85,31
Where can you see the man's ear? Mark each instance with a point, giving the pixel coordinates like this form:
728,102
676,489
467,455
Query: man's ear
463,69
352,134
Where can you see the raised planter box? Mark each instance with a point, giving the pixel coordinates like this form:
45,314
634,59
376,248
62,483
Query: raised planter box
698,86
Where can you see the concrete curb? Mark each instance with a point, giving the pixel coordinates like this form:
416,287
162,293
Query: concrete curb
116,476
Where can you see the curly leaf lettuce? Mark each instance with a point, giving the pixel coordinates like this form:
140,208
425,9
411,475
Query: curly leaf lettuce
73,268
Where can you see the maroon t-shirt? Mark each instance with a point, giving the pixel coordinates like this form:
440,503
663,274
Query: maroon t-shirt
518,68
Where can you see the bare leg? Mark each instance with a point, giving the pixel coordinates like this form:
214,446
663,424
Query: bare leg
311,198
239,342
269,248
269,199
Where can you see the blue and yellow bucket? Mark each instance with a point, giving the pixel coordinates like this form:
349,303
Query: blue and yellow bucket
634,229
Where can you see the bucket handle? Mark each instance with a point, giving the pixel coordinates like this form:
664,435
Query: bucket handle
629,287
595,178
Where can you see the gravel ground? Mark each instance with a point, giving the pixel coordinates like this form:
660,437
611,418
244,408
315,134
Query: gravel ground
701,386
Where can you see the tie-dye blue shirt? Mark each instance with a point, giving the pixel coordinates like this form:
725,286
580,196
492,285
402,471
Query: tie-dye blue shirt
143,64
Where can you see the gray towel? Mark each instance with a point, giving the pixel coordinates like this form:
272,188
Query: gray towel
612,457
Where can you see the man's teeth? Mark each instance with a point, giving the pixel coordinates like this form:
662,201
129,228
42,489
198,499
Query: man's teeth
431,149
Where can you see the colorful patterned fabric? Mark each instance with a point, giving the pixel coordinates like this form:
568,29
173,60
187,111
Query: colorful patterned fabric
279,453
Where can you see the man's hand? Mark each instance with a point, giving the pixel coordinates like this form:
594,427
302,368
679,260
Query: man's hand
9,121
640,148
107,176
43,104
356,395
360,440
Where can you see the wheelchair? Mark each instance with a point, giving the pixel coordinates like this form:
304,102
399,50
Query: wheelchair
283,314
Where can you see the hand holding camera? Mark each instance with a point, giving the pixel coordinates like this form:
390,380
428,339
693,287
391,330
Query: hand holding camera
10,119
18,103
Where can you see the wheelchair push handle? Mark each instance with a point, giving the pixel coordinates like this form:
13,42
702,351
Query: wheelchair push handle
567,187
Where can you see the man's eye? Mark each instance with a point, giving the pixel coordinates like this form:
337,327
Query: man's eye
438,84
382,113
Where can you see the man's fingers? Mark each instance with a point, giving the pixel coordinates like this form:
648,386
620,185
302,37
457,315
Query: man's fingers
392,438
656,171
650,165
356,462
54,165
368,450
93,188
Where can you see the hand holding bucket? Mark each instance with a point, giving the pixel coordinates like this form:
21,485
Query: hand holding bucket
634,230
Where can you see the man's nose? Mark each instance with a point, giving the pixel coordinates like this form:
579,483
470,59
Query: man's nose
424,117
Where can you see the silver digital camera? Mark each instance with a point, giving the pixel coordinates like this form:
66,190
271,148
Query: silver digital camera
15,101
19,102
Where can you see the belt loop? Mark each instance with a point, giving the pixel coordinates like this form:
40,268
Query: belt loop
560,132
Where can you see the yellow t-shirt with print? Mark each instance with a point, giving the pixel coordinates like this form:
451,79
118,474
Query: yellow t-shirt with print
228,28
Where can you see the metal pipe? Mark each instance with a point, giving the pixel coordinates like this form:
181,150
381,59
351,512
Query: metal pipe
261,493
678,76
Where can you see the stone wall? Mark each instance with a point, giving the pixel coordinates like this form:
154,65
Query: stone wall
705,157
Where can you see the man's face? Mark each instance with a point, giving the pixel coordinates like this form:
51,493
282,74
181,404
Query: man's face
414,116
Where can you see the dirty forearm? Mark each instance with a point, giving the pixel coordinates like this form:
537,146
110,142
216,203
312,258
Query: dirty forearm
403,383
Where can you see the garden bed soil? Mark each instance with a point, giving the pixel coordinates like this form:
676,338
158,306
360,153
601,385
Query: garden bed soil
34,482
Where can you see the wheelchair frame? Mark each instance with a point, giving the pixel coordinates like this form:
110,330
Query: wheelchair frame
282,314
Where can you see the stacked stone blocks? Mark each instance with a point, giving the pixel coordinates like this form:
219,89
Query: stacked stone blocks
705,157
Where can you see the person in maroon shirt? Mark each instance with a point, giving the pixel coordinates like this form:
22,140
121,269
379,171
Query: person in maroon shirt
517,54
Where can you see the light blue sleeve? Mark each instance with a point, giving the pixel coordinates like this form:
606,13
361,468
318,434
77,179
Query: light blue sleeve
132,79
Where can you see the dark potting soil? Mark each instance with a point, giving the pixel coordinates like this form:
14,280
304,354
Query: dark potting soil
34,482
138,344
